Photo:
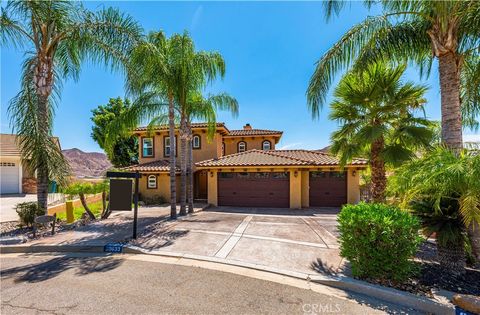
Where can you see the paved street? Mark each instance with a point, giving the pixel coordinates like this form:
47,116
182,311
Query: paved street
7,204
123,284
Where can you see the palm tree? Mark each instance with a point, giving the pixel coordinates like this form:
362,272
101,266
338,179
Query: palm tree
166,71
375,110
419,32
447,181
57,36
203,109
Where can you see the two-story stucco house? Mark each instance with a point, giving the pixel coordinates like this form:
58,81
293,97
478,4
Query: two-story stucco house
243,168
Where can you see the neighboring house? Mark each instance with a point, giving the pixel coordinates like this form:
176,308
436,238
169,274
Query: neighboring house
16,178
242,168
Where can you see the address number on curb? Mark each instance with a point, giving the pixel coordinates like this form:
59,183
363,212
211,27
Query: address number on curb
113,248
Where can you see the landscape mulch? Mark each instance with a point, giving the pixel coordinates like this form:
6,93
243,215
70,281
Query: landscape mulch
431,277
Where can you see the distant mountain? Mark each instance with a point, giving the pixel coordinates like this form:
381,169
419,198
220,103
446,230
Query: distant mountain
87,164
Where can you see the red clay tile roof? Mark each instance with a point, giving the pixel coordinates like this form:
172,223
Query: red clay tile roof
253,132
317,157
232,133
276,158
194,125
155,166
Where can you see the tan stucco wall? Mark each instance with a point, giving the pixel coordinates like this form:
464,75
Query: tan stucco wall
305,189
208,150
163,187
252,143
299,185
353,186
212,188
295,189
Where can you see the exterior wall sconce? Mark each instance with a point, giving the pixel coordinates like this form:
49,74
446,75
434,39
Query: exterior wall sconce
211,174
354,172
295,173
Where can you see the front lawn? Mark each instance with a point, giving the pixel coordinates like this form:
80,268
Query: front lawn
95,207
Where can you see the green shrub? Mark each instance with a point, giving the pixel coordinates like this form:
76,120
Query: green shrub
379,240
153,201
27,211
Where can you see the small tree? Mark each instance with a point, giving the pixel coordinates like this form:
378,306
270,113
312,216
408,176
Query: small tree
82,189
124,150
375,111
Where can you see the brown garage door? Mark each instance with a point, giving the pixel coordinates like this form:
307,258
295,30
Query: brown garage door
328,189
254,189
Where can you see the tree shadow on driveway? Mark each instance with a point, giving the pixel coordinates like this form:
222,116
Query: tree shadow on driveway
51,268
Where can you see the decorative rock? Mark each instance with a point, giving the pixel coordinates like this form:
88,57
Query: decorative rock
469,303
43,219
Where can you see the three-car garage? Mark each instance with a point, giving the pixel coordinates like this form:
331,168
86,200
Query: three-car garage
272,189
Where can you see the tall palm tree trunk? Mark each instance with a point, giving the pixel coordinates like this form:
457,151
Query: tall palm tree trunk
377,165
450,98
43,83
190,170
183,166
173,182
449,68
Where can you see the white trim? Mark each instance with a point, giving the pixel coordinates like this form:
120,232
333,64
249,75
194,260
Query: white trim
20,176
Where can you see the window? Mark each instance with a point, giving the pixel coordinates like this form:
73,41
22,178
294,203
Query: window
266,145
147,147
196,142
282,175
243,175
242,146
223,148
166,146
262,175
152,182
226,175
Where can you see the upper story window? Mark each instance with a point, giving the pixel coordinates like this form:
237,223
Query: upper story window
196,142
166,146
266,145
147,147
223,148
152,182
242,146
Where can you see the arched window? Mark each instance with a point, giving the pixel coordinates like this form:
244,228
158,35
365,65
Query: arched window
196,142
152,182
266,145
242,146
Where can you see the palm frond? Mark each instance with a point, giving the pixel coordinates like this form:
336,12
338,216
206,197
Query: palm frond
339,57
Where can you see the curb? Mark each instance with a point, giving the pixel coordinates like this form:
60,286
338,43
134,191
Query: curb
50,249
386,294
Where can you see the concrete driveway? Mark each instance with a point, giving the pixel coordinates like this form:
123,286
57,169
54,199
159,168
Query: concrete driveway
8,203
295,240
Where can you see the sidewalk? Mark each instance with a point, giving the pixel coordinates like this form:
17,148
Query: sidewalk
117,228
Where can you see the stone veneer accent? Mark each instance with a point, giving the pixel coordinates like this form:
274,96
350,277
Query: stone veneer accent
29,185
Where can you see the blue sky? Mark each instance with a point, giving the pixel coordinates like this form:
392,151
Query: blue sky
269,47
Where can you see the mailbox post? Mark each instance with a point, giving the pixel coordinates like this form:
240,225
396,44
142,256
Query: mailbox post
121,194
